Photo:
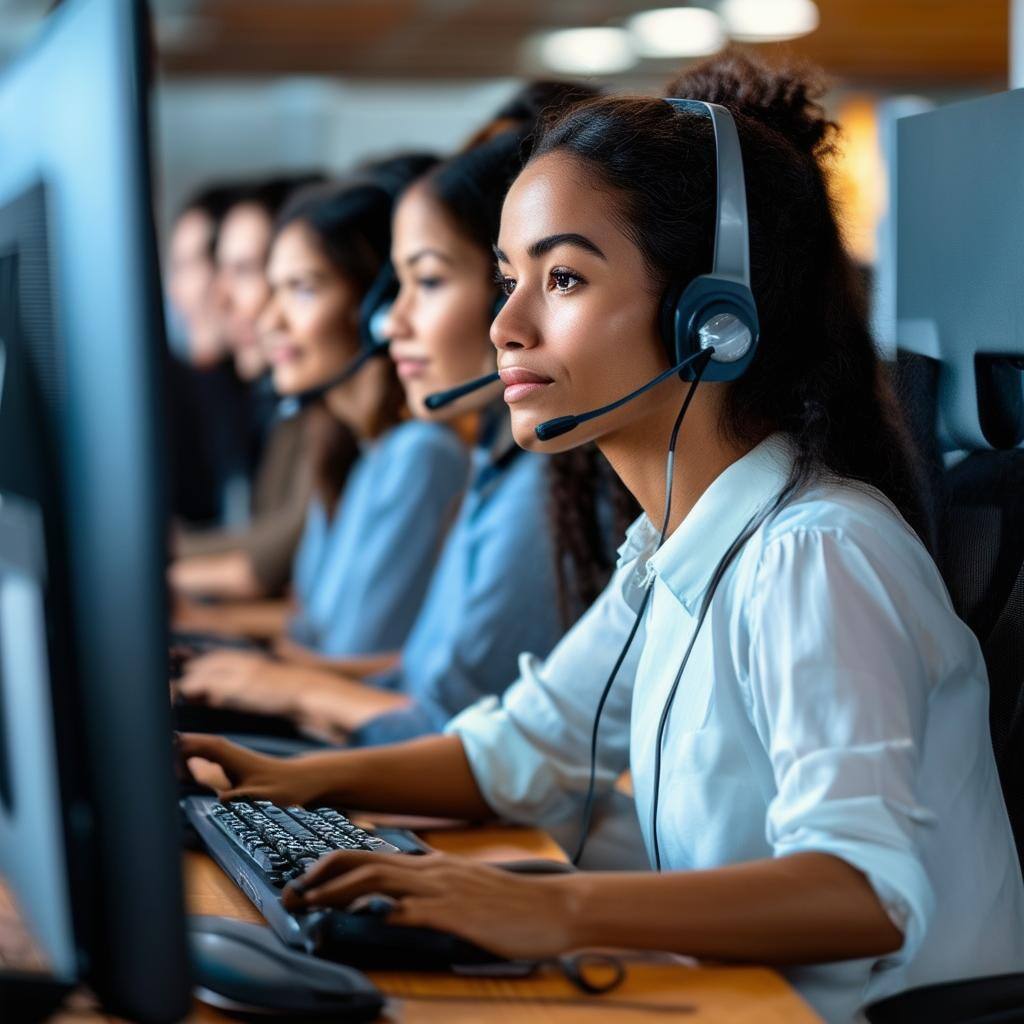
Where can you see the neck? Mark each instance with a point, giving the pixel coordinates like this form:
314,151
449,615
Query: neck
638,454
358,401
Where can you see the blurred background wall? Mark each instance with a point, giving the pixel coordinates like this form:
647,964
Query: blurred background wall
246,87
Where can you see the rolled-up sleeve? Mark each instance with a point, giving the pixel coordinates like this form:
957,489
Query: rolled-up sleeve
530,750
842,719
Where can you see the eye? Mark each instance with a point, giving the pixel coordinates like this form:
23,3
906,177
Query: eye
430,282
303,289
506,285
565,280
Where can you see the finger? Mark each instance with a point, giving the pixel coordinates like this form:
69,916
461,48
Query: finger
206,773
202,660
340,861
236,761
199,744
335,864
190,686
388,879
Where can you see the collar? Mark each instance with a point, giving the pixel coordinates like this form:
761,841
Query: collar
687,559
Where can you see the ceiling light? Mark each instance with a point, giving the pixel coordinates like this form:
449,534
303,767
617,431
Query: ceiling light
677,32
762,21
586,51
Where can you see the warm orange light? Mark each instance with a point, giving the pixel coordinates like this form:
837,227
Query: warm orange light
857,176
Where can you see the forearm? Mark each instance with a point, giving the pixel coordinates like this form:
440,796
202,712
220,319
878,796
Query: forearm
429,776
261,619
804,908
332,705
228,574
356,667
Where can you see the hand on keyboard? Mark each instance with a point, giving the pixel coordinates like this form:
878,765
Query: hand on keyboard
235,772
451,894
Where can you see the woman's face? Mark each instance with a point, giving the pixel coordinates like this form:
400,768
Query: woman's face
579,328
242,246
309,328
438,325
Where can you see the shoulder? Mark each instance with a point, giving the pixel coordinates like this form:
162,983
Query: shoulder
842,542
526,475
844,515
419,439
513,508
424,457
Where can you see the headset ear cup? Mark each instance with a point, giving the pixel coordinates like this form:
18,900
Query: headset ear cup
375,306
667,322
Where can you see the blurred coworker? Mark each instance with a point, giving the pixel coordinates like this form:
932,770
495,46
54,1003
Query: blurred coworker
384,501
191,277
242,250
494,592
206,402
253,559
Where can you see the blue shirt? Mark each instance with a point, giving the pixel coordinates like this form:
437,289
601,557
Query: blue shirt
361,575
492,596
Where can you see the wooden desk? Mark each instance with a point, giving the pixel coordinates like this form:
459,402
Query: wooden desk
723,995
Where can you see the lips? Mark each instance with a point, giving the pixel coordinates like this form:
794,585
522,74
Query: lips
520,382
281,354
410,368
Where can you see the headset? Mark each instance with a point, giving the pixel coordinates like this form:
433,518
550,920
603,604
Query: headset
710,331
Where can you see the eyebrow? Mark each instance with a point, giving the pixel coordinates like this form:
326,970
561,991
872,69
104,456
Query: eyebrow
410,260
545,245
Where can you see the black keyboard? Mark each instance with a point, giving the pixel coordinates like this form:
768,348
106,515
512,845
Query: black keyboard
261,846
281,842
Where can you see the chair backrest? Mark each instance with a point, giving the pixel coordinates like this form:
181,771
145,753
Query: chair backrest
977,514
981,555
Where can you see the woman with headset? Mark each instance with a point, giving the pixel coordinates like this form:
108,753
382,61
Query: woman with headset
804,714
496,589
387,486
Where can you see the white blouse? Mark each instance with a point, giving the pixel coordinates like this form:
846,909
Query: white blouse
833,702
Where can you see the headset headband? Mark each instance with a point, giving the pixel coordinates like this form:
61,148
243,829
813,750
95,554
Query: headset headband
732,246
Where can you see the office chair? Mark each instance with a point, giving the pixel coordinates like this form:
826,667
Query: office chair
977,515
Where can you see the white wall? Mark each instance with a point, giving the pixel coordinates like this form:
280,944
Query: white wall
223,129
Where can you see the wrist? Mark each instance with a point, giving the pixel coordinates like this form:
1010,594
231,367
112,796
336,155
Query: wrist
575,910
323,779
306,693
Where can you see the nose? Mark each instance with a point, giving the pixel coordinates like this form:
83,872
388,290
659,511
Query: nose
222,290
394,324
511,328
270,318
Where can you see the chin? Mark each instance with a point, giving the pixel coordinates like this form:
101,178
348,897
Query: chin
525,435
414,399
285,384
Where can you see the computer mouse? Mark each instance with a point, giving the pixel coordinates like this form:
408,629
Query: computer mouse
536,866
244,968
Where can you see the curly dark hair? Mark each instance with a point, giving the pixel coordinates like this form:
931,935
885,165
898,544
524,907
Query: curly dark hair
816,376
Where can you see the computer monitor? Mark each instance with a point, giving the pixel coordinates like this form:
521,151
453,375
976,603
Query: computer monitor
960,255
89,834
